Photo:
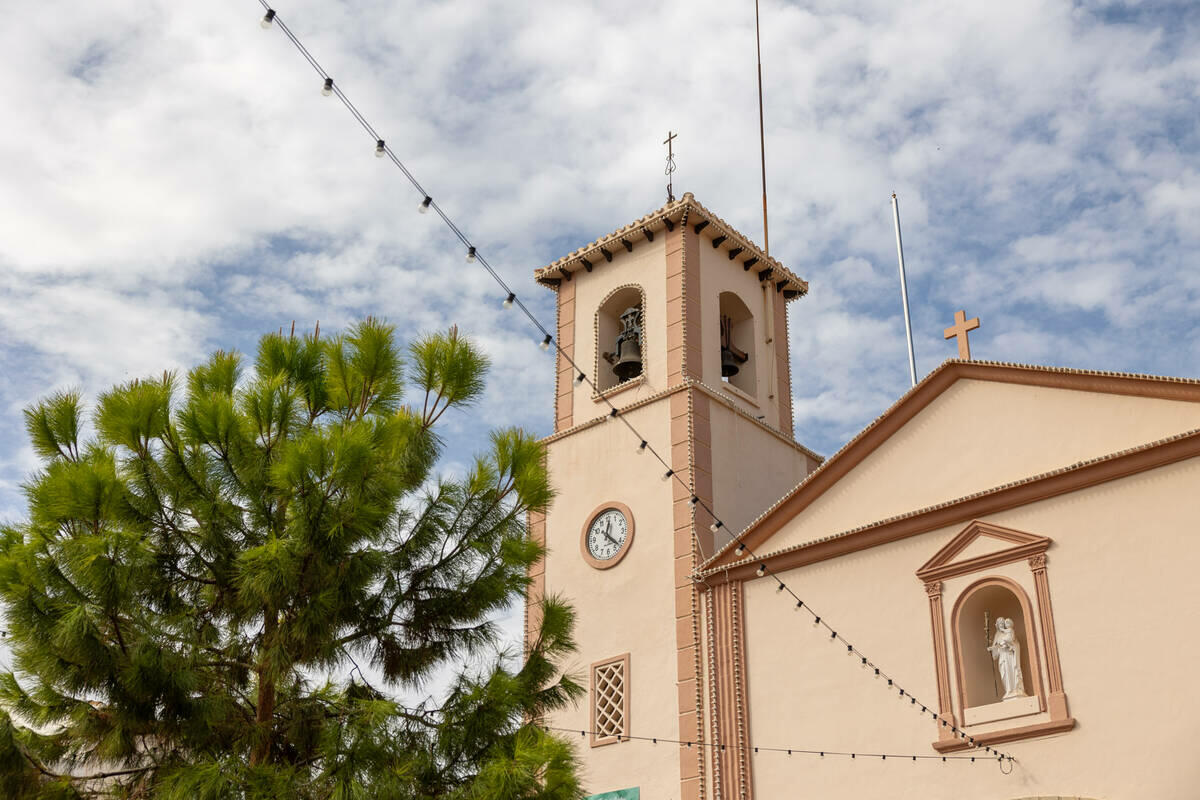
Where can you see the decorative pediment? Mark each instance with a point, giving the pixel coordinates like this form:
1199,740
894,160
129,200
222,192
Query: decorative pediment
979,546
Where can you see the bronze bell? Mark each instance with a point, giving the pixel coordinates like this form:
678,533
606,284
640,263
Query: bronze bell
730,355
627,361
729,365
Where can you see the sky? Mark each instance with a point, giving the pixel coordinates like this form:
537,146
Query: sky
175,183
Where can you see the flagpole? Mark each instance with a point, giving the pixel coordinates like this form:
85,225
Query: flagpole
762,137
912,358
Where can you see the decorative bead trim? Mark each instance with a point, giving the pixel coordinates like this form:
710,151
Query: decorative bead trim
968,366
696,557
623,385
653,221
707,570
714,707
709,392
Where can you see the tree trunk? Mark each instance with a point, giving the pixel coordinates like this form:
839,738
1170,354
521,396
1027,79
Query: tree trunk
265,710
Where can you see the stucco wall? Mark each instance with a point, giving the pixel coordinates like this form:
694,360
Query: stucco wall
643,267
719,274
978,435
628,608
1122,583
752,468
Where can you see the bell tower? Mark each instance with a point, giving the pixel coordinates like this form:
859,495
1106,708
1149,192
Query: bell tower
680,323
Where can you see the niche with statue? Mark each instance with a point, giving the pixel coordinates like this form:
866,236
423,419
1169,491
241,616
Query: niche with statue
619,338
737,344
994,643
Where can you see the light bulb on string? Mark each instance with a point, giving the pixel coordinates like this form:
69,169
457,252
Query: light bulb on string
424,207
329,89
716,526
642,447
471,254
611,415
762,570
380,148
741,548
579,379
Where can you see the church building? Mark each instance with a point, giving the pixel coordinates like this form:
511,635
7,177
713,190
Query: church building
984,594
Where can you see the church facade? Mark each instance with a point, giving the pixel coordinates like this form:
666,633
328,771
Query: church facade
997,567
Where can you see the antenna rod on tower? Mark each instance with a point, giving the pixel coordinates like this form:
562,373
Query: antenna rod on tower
912,359
762,139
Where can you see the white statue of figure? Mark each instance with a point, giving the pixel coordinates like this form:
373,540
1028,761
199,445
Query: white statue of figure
1006,650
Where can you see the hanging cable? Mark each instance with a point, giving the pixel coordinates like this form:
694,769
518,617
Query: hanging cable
748,748
273,20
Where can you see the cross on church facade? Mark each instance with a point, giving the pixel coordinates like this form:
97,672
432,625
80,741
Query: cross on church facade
959,329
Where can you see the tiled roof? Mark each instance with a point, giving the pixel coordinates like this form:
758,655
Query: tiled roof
655,222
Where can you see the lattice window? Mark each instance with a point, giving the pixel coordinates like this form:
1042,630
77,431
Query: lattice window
610,700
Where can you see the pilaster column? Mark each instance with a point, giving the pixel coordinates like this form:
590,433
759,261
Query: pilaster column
730,709
938,625
1057,701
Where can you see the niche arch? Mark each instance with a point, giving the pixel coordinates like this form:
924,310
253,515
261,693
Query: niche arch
608,325
975,553
973,664
737,335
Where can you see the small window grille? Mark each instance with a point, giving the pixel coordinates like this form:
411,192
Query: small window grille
610,700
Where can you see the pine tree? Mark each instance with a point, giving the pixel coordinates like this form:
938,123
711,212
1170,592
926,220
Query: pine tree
220,592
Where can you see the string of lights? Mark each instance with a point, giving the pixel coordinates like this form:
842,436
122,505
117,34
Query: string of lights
798,751
329,87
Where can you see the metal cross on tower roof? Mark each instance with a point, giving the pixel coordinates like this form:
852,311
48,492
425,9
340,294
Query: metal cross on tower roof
670,170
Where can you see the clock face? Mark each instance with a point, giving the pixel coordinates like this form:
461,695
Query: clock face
607,535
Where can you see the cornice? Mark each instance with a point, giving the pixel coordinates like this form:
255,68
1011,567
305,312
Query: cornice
979,504
688,383
656,221
914,400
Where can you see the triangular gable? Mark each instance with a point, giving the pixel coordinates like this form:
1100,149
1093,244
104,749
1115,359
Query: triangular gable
963,553
935,445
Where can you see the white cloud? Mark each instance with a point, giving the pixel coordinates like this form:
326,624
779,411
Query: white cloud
174,182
